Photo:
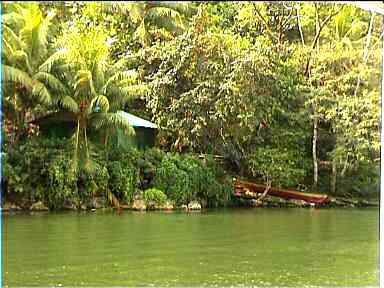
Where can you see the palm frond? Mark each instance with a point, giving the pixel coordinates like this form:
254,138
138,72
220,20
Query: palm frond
51,81
99,102
20,55
64,71
120,64
11,74
98,75
183,7
7,51
112,120
136,11
127,77
26,37
120,96
43,29
120,7
69,103
84,83
29,34
10,36
166,18
135,90
58,56
166,12
41,93
12,18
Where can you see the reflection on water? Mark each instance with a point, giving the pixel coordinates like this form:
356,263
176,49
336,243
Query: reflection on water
258,247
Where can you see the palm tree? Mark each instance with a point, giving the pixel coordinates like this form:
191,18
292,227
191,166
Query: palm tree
98,88
349,28
25,48
154,19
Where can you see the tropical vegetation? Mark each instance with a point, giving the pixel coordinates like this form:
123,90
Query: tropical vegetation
283,93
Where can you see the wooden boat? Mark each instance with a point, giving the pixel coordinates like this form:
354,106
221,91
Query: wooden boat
250,190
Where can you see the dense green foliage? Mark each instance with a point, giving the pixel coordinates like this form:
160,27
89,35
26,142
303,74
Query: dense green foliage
185,178
38,170
285,93
154,195
123,179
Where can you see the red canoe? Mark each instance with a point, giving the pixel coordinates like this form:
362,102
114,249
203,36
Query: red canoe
242,189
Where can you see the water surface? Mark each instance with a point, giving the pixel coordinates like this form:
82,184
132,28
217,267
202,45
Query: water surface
255,247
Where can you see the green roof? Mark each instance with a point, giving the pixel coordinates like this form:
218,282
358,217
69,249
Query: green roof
137,121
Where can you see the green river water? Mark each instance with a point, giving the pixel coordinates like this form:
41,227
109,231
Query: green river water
240,247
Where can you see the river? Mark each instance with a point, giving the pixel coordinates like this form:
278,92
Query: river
234,247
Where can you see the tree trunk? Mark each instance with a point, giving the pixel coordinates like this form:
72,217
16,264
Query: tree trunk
315,118
317,27
77,136
315,42
299,25
345,167
314,152
333,177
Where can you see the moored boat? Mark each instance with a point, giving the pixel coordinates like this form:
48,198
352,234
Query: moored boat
250,190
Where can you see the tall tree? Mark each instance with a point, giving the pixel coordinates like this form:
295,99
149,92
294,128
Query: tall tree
98,87
333,69
26,85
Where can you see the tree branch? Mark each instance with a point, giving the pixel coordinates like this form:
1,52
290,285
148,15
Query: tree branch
300,30
264,22
317,36
287,19
322,25
265,191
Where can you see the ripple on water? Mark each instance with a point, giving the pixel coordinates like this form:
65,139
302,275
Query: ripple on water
267,247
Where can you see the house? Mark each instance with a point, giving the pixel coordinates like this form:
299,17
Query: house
62,124
145,132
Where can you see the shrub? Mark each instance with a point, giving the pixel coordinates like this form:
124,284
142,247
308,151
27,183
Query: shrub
154,156
62,184
185,178
123,179
174,181
154,195
93,183
38,170
280,166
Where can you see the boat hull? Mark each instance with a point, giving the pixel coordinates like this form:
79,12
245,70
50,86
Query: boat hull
245,189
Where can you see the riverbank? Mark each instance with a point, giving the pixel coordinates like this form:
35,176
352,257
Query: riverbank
121,177
141,205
